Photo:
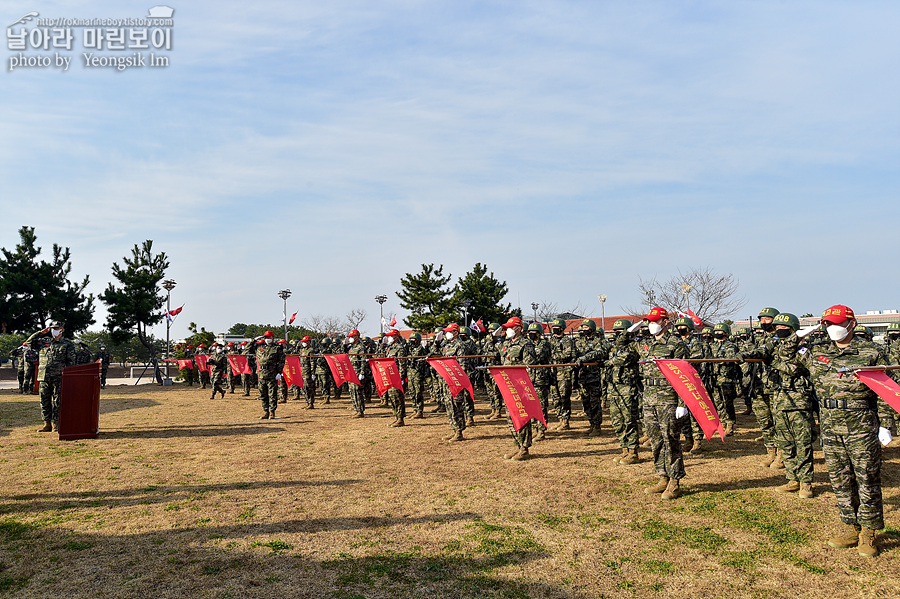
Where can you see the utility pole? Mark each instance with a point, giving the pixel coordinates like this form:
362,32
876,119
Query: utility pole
602,299
466,304
381,299
168,285
284,294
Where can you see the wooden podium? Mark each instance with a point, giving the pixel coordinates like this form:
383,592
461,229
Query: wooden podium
79,402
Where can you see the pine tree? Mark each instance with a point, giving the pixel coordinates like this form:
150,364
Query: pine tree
428,298
484,293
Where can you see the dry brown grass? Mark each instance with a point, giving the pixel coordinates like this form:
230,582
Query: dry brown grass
187,497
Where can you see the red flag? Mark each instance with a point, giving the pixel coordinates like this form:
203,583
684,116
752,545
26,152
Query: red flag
686,382
697,322
176,311
452,372
879,382
293,316
386,373
342,369
292,372
239,365
182,364
518,393
201,360
479,326
393,321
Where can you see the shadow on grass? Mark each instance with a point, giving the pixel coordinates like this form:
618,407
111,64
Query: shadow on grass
168,432
120,404
149,495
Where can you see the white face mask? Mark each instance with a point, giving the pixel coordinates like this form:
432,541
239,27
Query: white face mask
448,336
56,333
510,333
270,341
655,328
389,340
304,344
424,343
218,350
351,340
837,333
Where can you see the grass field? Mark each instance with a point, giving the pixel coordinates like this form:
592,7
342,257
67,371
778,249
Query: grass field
183,496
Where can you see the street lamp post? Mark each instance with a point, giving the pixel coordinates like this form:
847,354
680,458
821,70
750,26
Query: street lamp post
534,307
602,299
381,299
686,289
284,294
168,285
466,304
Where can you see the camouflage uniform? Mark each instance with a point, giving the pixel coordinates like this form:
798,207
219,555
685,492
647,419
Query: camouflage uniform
324,379
307,365
489,348
762,395
361,367
187,374
470,366
416,375
518,351
849,420
727,378
204,375
53,357
542,378
82,354
590,378
397,397
455,406
793,414
269,364
563,351
660,401
696,350
623,376
218,369
247,380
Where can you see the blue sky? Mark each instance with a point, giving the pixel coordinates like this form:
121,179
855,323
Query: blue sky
572,147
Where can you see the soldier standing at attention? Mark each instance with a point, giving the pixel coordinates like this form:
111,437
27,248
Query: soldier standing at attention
55,356
269,364
623,374
563,351
323,374
517,349
470,366
247,349
218,366
105,358
396,348
662,414
696,349
590,377
489,348
851,435
456,406
727,375
762,399
204,375
308,347
541,377
416,374
360,365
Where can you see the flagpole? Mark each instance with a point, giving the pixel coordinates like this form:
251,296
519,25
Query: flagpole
168,285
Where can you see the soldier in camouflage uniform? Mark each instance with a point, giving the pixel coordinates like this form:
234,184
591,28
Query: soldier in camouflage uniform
54,357
590,378
850,425
490,347
663,416
470,366
563,351
270,364
452,346
793,413
416,373
28,357
517,349
437,385
396,348
696,350
230,376
308,348
542,378
727,375
892,340
82,353
324,378
622,373
360,366
218,368
762,397
187,374
248,349
204,374
744,342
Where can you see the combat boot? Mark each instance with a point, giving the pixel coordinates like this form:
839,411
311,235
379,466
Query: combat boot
48,427
213,396
806,491
456,438
522,455
630,457
327,400
513,454
791,486
673,490
419,415
540,436
594,431
470,421
563,425
659,487
778,464
729,429
697,449
867,546
688,445
398,423
846,538
771,454
621,455
358,415
264,416
491,415
56,426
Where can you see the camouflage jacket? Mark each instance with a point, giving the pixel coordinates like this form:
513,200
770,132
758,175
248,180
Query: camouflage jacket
622,363
543,352
399,349
53,357
357,359
417,367
563,351
251,356
657,390
269,360
727,373
218,365
593,349
518,351
765,349
489,347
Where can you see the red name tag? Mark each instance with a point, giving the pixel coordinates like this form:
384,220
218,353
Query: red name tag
823,359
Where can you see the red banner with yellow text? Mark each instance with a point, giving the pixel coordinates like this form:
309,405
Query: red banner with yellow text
293,374
522,401
182,364
453,374
239,365
342,369
686,382
386,374
201,359
879,382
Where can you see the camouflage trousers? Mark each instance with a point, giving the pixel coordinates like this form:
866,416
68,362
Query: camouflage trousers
398,403
664,430
456,409
623,414
204,378
415,389
724,395
762,409
268,392
217,382
543,392
470,401
50,399
522,437
853,457
794,436
187,375
357,397
494,394
591,400
309,388
232,379
247,383
561,396
325,383
104,370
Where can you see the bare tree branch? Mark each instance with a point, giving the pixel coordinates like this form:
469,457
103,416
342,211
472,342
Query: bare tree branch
355,317
710,295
